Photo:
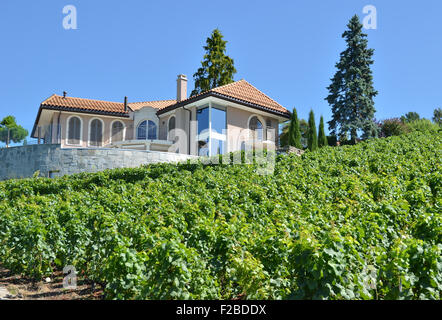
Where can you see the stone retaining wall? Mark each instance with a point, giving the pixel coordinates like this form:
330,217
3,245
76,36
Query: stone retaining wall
52,160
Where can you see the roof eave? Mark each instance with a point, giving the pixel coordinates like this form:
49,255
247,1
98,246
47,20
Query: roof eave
227,98
78,110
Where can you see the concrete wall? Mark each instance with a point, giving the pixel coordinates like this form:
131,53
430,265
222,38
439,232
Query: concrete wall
22,162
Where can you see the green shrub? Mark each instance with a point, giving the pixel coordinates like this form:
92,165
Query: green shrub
355,222
393,127
423,125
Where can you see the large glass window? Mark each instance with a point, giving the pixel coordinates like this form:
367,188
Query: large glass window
147,129
218,133
211,131
256,129
74,130
96,134
202,117
117,131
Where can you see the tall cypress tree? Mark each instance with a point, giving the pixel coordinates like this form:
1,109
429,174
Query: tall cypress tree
351,92
217,68
312,136
295,131
322,138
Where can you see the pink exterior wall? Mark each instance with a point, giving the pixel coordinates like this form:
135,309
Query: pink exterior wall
238,120
86,119
237,125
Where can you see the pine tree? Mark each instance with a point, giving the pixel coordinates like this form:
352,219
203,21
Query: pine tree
10,131
410,117
351,92
322,138
217,68
312,136
437,116
294,131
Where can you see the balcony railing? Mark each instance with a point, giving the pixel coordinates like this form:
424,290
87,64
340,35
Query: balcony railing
50,134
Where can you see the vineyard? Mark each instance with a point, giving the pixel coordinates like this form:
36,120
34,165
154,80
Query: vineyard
351,222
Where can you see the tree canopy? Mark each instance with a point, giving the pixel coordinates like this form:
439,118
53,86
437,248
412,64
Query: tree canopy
437,116
351,92
217,68
11,131
410,117
284,136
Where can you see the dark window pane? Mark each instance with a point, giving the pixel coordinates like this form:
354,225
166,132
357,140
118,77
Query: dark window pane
171,128
74,130
202,118
152,134
256,127
117,131
141,132
96,133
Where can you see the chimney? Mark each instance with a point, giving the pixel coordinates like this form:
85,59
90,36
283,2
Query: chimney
64,94
125,104
181,87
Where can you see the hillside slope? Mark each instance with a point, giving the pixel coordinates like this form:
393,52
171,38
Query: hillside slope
359,222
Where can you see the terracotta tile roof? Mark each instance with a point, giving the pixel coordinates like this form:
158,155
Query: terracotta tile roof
84,104
243,90
160,104
240,91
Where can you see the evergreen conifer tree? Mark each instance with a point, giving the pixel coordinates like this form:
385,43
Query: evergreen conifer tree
351,92
295,131
217,68
312,136
322,138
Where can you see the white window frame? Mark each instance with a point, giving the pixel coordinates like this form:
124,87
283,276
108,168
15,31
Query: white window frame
90,131
111,127
67,131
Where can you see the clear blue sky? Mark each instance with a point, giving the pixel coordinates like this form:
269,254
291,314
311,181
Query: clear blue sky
288,49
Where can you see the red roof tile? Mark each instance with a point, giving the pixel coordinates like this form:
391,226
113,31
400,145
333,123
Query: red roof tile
84,104
160,104
242,91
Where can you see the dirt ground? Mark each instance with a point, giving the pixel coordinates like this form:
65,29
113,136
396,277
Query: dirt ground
16,287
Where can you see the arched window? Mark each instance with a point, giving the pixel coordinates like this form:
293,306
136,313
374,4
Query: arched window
171,127
152,133
96,133
117,131
74,130
147,129
256,128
